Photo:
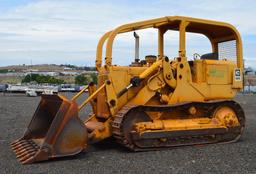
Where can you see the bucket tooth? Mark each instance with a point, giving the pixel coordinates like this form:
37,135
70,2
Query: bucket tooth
29,147
24,158
22,155
25,151
23,147
20,144
28,161
26,147
19,141
20,148
15,142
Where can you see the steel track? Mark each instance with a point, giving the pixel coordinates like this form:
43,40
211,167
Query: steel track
184,139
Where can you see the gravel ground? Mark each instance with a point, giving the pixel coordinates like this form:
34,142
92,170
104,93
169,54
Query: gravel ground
16,111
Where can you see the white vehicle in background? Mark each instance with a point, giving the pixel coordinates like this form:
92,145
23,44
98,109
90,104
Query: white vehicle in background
69,88
48,92
31,93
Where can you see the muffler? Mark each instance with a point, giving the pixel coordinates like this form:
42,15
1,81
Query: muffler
54,131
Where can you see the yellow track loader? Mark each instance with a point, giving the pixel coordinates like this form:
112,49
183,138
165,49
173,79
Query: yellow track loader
155,103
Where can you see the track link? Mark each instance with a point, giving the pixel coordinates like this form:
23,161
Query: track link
232,135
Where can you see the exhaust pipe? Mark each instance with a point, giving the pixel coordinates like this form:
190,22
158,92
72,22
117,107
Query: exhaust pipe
137,46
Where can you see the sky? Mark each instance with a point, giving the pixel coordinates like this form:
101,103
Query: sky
67,32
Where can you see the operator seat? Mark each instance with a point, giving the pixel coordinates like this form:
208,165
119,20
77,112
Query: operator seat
210,56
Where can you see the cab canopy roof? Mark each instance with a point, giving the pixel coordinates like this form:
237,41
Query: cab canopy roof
214,30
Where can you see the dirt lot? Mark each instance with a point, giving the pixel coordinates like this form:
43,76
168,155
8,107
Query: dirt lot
16,111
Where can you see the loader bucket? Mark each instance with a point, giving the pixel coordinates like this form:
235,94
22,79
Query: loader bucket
54,131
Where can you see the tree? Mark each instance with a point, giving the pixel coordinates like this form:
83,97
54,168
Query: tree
42,79
94,78
30,77
3,70
81,80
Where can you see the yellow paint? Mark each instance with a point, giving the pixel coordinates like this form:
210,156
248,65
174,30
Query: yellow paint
168,81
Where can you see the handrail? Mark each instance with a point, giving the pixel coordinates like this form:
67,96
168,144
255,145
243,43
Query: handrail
91,96
79,93
101,42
